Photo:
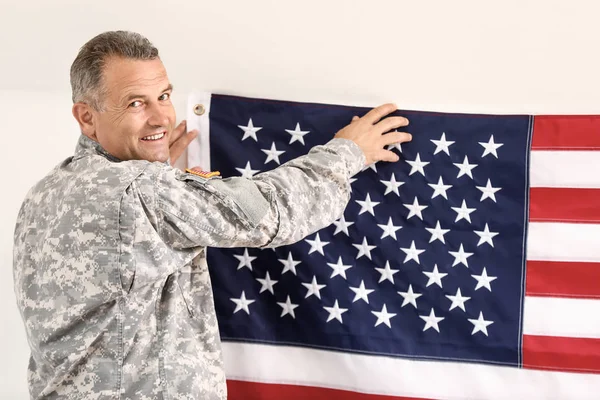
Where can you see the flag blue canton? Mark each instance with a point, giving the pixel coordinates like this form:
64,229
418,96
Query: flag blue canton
428,260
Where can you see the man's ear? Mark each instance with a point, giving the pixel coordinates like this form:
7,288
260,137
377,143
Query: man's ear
85,117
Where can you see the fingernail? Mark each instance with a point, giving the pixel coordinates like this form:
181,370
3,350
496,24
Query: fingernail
409,137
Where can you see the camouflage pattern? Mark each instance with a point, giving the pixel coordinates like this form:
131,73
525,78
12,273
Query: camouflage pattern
110,270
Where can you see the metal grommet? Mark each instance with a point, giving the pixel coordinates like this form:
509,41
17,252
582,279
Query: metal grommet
199,109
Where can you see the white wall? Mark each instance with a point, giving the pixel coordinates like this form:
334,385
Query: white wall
527,56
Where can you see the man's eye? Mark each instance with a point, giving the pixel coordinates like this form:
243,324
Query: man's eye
135,104
164,96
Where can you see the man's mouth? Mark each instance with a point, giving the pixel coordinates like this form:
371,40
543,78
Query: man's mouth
154,137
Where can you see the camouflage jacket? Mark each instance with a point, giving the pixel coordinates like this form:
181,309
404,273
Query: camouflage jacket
110,271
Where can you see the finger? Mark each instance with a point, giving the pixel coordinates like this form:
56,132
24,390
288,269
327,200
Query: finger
390,123
178,131
389,156
396,137
355,118
177,148
377,113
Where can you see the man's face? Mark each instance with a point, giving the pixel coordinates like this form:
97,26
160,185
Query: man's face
138,118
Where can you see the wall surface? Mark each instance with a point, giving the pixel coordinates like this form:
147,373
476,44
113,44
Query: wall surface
527,56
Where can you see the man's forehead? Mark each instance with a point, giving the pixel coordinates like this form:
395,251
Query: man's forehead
126,75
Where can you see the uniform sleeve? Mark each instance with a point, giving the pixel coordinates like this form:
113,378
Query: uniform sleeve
274,208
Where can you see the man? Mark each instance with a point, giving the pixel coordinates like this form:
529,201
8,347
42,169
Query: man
109,259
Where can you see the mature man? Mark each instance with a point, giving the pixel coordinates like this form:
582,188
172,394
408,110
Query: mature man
109,259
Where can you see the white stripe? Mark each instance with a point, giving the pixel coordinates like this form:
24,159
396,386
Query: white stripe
199,149
576,169
401,377
551,241
548,316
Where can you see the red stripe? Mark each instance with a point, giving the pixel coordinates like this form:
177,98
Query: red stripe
563,279
242,390
561,353
564,205
572,132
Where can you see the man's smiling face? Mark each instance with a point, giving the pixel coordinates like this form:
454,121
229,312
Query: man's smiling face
137,116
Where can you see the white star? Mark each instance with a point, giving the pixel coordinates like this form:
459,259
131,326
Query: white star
342,226
361,293
242,303
352,180
392,185
431,321
247,172
417,165
389,229
458,300
415,209
250,130
313,288
465,168
267,283
484,280
364,249
442,145
490,147
485,236
463,212
335,312
410,297
460,256
412,253
487,191
387,273
316,245
245,260
394,146
297,134
480,324
439,189
367,205
289,264
339,268
370,166
437,233
273,154
383,316
435,277
288,307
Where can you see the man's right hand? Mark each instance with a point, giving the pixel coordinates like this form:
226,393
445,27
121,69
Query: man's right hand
369,133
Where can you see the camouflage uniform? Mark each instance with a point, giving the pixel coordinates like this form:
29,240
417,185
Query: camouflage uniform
110,270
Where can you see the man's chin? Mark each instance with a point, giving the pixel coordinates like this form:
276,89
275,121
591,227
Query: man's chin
154,157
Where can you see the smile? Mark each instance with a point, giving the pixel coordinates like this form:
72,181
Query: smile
158,136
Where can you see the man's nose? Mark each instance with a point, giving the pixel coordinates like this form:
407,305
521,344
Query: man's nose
158,115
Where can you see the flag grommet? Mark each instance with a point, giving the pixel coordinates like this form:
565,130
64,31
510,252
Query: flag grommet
199,109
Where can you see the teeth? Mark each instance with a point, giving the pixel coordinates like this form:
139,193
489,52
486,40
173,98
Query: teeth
154,137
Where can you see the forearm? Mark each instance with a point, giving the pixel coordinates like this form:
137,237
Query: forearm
309,192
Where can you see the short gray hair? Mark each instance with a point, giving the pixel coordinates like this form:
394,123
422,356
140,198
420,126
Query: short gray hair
86,70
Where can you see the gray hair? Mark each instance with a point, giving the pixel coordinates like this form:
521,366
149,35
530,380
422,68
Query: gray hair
86,71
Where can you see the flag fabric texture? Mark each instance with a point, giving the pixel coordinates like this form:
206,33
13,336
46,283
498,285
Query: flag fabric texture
470,269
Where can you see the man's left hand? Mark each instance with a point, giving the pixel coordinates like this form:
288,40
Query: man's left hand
179,141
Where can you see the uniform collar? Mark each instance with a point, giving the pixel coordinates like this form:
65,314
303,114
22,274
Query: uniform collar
89,147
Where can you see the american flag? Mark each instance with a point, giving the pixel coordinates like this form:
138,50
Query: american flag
468,270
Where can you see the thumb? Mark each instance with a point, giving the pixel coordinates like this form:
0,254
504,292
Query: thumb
355,118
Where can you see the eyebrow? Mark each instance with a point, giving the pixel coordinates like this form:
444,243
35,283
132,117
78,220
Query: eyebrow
141,96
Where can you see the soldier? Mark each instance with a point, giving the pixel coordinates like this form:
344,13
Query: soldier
110,271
